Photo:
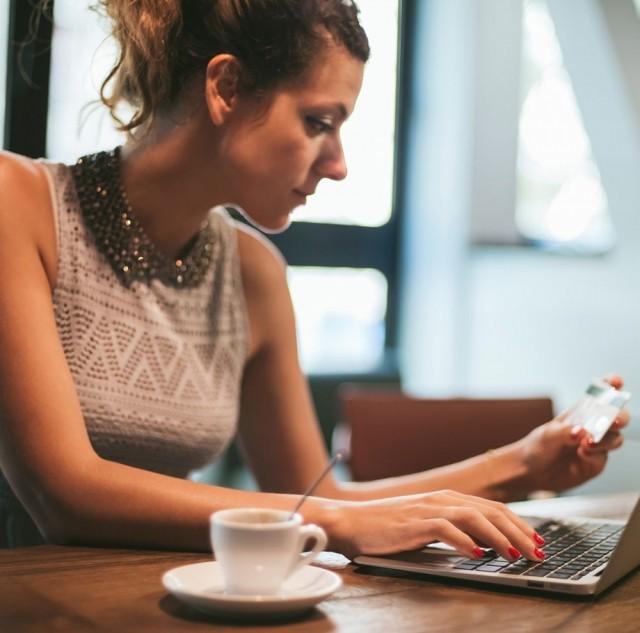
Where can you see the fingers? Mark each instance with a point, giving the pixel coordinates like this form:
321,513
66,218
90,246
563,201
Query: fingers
495,530
610,442
622,419
460,521
495,525
614,380
513,517
517,531
560,431
445,532
594,461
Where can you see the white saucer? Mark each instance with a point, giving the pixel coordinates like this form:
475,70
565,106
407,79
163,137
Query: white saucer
200,586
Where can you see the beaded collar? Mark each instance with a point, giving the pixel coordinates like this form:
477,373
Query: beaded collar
119,236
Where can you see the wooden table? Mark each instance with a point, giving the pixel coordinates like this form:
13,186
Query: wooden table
54,588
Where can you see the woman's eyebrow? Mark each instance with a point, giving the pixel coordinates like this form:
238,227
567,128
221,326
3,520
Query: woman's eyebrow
342,110
339,109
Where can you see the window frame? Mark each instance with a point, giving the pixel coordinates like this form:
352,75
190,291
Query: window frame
27,82
330,245
4,40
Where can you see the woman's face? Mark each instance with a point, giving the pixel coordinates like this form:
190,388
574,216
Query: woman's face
272,160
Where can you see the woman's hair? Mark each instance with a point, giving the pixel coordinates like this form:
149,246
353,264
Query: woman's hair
164,43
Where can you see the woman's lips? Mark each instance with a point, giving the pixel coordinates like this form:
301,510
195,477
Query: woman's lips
301,195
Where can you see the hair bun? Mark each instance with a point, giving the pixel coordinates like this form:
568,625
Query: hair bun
164,43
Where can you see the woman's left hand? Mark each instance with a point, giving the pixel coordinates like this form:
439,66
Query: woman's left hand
559,456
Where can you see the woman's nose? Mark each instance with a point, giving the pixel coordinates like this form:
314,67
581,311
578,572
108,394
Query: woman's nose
332,163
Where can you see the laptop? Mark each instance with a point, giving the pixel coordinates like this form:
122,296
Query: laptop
584,556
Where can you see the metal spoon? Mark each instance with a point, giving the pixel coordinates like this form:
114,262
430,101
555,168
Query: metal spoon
336,458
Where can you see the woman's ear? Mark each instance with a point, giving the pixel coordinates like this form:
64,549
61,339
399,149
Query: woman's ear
222,86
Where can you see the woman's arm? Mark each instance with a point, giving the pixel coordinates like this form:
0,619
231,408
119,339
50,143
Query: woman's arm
74,496
277,412
500,474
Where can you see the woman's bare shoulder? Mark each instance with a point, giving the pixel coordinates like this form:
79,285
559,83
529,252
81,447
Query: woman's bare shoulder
264,280
24,190
261,262
20,174
26,206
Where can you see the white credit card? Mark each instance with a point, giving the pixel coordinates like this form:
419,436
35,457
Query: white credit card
598,408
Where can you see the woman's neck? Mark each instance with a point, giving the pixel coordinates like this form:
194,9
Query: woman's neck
169,179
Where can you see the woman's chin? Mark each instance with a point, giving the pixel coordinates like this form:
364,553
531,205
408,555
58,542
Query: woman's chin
275,227
270,226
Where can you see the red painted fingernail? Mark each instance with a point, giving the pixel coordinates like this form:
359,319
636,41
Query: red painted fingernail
478,552
591,442
539,553
514,553
538,539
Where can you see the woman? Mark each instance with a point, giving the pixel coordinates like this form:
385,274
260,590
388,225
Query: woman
140,330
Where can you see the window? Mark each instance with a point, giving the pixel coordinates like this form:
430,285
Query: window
365,197
77,124
340,314
341,246
560,199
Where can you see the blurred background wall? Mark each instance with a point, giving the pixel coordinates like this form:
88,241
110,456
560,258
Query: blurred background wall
485,312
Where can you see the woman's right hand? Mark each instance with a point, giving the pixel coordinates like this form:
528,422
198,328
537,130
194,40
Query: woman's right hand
387,526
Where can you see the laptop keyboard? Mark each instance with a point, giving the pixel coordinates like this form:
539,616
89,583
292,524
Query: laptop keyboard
572,550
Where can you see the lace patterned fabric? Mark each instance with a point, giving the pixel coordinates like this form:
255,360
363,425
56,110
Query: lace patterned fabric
157,369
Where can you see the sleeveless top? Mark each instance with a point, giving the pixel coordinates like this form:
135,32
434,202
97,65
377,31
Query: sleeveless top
157,369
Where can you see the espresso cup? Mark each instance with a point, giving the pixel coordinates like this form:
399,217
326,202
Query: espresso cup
258,549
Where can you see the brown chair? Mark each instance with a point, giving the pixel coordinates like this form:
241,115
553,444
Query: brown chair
387,433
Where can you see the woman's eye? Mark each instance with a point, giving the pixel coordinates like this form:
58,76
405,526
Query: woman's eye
317,125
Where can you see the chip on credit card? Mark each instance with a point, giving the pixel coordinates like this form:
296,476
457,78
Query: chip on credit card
598,408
